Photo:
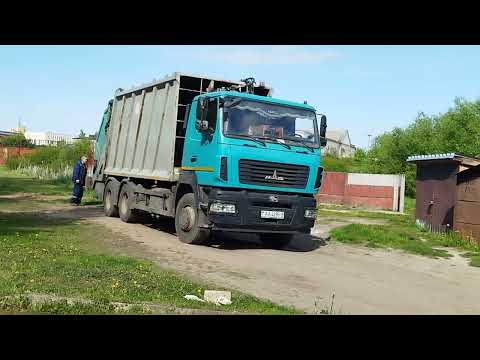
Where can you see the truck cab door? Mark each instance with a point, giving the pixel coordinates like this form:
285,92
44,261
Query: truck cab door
200,152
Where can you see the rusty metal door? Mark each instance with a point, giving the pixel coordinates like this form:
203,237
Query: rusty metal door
436,193
467,207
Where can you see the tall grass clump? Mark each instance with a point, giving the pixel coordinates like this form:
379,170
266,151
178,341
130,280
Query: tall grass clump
50,162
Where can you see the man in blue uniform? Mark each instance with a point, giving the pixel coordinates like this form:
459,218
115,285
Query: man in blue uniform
78,178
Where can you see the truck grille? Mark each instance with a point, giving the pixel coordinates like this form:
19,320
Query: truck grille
272,174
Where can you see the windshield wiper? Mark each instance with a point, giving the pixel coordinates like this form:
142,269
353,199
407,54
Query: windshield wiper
301,142
277,140
257,140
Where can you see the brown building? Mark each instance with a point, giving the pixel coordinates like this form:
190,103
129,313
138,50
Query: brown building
467,207
436,188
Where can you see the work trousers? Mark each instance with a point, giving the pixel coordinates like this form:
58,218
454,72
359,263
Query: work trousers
77,194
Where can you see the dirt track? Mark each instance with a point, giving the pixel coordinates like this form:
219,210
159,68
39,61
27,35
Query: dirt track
364,281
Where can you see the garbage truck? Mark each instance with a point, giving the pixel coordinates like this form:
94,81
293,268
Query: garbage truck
215,155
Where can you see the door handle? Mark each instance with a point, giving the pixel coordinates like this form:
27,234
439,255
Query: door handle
193,159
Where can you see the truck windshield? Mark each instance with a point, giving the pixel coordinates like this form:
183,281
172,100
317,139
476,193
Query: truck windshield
270,121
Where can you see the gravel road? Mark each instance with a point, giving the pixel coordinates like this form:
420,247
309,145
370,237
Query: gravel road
311,269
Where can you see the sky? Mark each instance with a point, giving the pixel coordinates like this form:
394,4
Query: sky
365,89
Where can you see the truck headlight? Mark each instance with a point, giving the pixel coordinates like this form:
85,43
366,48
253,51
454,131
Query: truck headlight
310,213
222,208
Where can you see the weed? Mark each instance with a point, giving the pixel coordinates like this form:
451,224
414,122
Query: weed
385,237
475,260
53,256
50,162
326,310
401,232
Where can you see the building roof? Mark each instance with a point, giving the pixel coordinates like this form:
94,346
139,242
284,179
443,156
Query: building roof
464,160
339,135
6,133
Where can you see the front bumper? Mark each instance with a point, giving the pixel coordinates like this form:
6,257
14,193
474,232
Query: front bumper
250,203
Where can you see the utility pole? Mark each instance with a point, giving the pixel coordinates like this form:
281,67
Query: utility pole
369,136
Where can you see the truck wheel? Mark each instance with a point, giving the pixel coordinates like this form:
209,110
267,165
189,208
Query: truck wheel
108,204
125,205
276,241
186,222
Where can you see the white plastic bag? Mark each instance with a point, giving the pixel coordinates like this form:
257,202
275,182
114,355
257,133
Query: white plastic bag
193,297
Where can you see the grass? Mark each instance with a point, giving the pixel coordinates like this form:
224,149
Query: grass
12,182
22,304
380,236
44,255
475,260
341,211
409,205
62,258
401,233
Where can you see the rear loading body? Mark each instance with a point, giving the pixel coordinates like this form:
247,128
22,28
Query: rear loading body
218,160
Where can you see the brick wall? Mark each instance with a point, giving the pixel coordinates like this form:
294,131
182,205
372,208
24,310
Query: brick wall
385,192
6,152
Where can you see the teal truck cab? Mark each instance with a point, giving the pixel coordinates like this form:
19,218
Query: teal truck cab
249,163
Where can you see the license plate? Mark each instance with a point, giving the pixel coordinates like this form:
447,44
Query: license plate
268,214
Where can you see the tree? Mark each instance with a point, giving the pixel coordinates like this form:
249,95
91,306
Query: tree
16,140
457,130
360,155
82,134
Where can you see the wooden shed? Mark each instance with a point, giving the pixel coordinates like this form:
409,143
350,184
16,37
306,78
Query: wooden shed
436,188
467,207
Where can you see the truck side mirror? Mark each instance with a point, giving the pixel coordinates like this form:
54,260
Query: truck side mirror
323,130
200,123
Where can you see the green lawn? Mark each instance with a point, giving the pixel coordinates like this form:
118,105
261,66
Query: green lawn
43,255
12,182
402,233
61,257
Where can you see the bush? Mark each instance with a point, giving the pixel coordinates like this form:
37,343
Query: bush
50,162
16,140
457,130
355,164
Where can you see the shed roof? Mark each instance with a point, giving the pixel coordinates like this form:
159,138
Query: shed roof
462,159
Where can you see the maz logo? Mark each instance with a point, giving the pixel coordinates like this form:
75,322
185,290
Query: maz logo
274,176
273,198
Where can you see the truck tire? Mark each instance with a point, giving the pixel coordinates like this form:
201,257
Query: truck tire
275,241
125,201
108,204
186,222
